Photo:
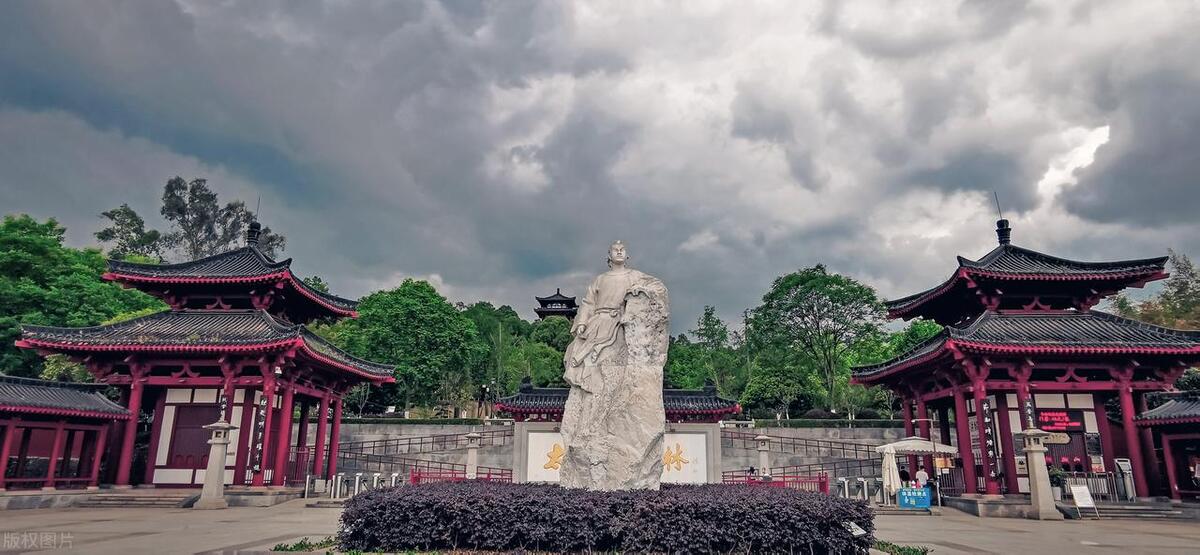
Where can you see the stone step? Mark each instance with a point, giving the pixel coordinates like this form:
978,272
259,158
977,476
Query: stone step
108,500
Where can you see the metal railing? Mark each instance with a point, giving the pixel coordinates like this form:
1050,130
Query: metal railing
840,468
1104,486
786,444
427,444
818,483
482,475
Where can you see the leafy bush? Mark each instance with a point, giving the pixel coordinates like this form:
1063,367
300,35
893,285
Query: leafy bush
819,414
867,414
889,547
304,545
539,517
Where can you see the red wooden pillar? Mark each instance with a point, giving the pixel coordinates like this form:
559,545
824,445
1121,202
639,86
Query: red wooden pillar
268,412
906,407
302,454
991,486
125,461
160,408
55,455
1172,479
1131,436
963,433
923,426
283,442
335,429
1106,438
10,432
97,450
68,449
1151,460
1008,454
319,442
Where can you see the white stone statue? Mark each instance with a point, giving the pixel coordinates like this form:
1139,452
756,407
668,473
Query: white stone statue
614,422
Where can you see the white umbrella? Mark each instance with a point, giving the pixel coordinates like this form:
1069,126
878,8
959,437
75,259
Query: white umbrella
891,474
914,445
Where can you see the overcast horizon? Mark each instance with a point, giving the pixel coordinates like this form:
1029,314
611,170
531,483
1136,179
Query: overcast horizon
497,148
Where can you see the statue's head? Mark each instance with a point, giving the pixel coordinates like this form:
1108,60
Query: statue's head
617,254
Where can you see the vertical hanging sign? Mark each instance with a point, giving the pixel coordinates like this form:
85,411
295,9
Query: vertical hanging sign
259,431
987,438
1029,415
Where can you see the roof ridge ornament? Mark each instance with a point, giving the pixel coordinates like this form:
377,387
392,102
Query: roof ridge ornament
253,232
1003,231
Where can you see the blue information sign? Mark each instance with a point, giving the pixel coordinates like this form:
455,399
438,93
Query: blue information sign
913,498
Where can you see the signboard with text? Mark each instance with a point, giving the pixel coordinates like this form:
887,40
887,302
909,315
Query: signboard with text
1060,420
913,498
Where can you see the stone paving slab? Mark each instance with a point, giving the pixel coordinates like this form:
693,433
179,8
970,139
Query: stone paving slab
956,533
254,529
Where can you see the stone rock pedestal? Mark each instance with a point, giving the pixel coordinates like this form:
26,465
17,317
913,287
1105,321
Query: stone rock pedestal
1040,497
213,494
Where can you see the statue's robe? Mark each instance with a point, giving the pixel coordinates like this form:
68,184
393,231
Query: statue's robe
613,423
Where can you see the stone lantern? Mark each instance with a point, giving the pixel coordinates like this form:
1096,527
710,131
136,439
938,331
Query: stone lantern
764,461
1040,498
473,455
213,494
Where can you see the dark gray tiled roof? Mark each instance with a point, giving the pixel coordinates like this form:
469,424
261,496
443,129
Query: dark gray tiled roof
184,328
1183,405
1011,260
246,262
1068,329
197,329
531,399
57,397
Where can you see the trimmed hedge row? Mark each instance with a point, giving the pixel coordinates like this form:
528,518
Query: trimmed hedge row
539,517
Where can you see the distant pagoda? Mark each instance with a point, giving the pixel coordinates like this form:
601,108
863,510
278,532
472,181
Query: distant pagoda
556,305
1022,348
233,344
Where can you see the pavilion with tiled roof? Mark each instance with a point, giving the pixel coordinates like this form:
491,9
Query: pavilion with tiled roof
556,305
1021,347
546,404
242,278
52,434
1176,422
232,345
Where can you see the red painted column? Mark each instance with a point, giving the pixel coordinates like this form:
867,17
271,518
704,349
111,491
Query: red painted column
335,429
319,441
268,412
906,407
55,455
10,432
963,434
1106,438
991,486
160,409
283,442
1153,476
1172,479
125,461
1009,457
97,456
923,425
1131,439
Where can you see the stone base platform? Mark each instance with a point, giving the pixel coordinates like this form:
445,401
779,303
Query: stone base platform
992,507
141,497
261,497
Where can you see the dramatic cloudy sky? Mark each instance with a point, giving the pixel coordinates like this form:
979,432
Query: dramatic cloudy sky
496,148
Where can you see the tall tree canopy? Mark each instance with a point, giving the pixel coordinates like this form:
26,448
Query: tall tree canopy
42,282
432,344
1177,306
822,316
200,226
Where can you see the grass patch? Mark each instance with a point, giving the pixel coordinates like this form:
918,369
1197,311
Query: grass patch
889,547
305,545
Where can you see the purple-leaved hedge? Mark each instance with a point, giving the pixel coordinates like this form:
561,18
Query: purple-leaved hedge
536,517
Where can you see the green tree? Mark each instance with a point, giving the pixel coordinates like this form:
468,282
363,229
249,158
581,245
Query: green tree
686,364
719,360
127,231
820,315
44,283
432,344
554,331
317,283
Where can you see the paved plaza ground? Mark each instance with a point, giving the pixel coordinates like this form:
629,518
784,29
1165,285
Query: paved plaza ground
252,529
